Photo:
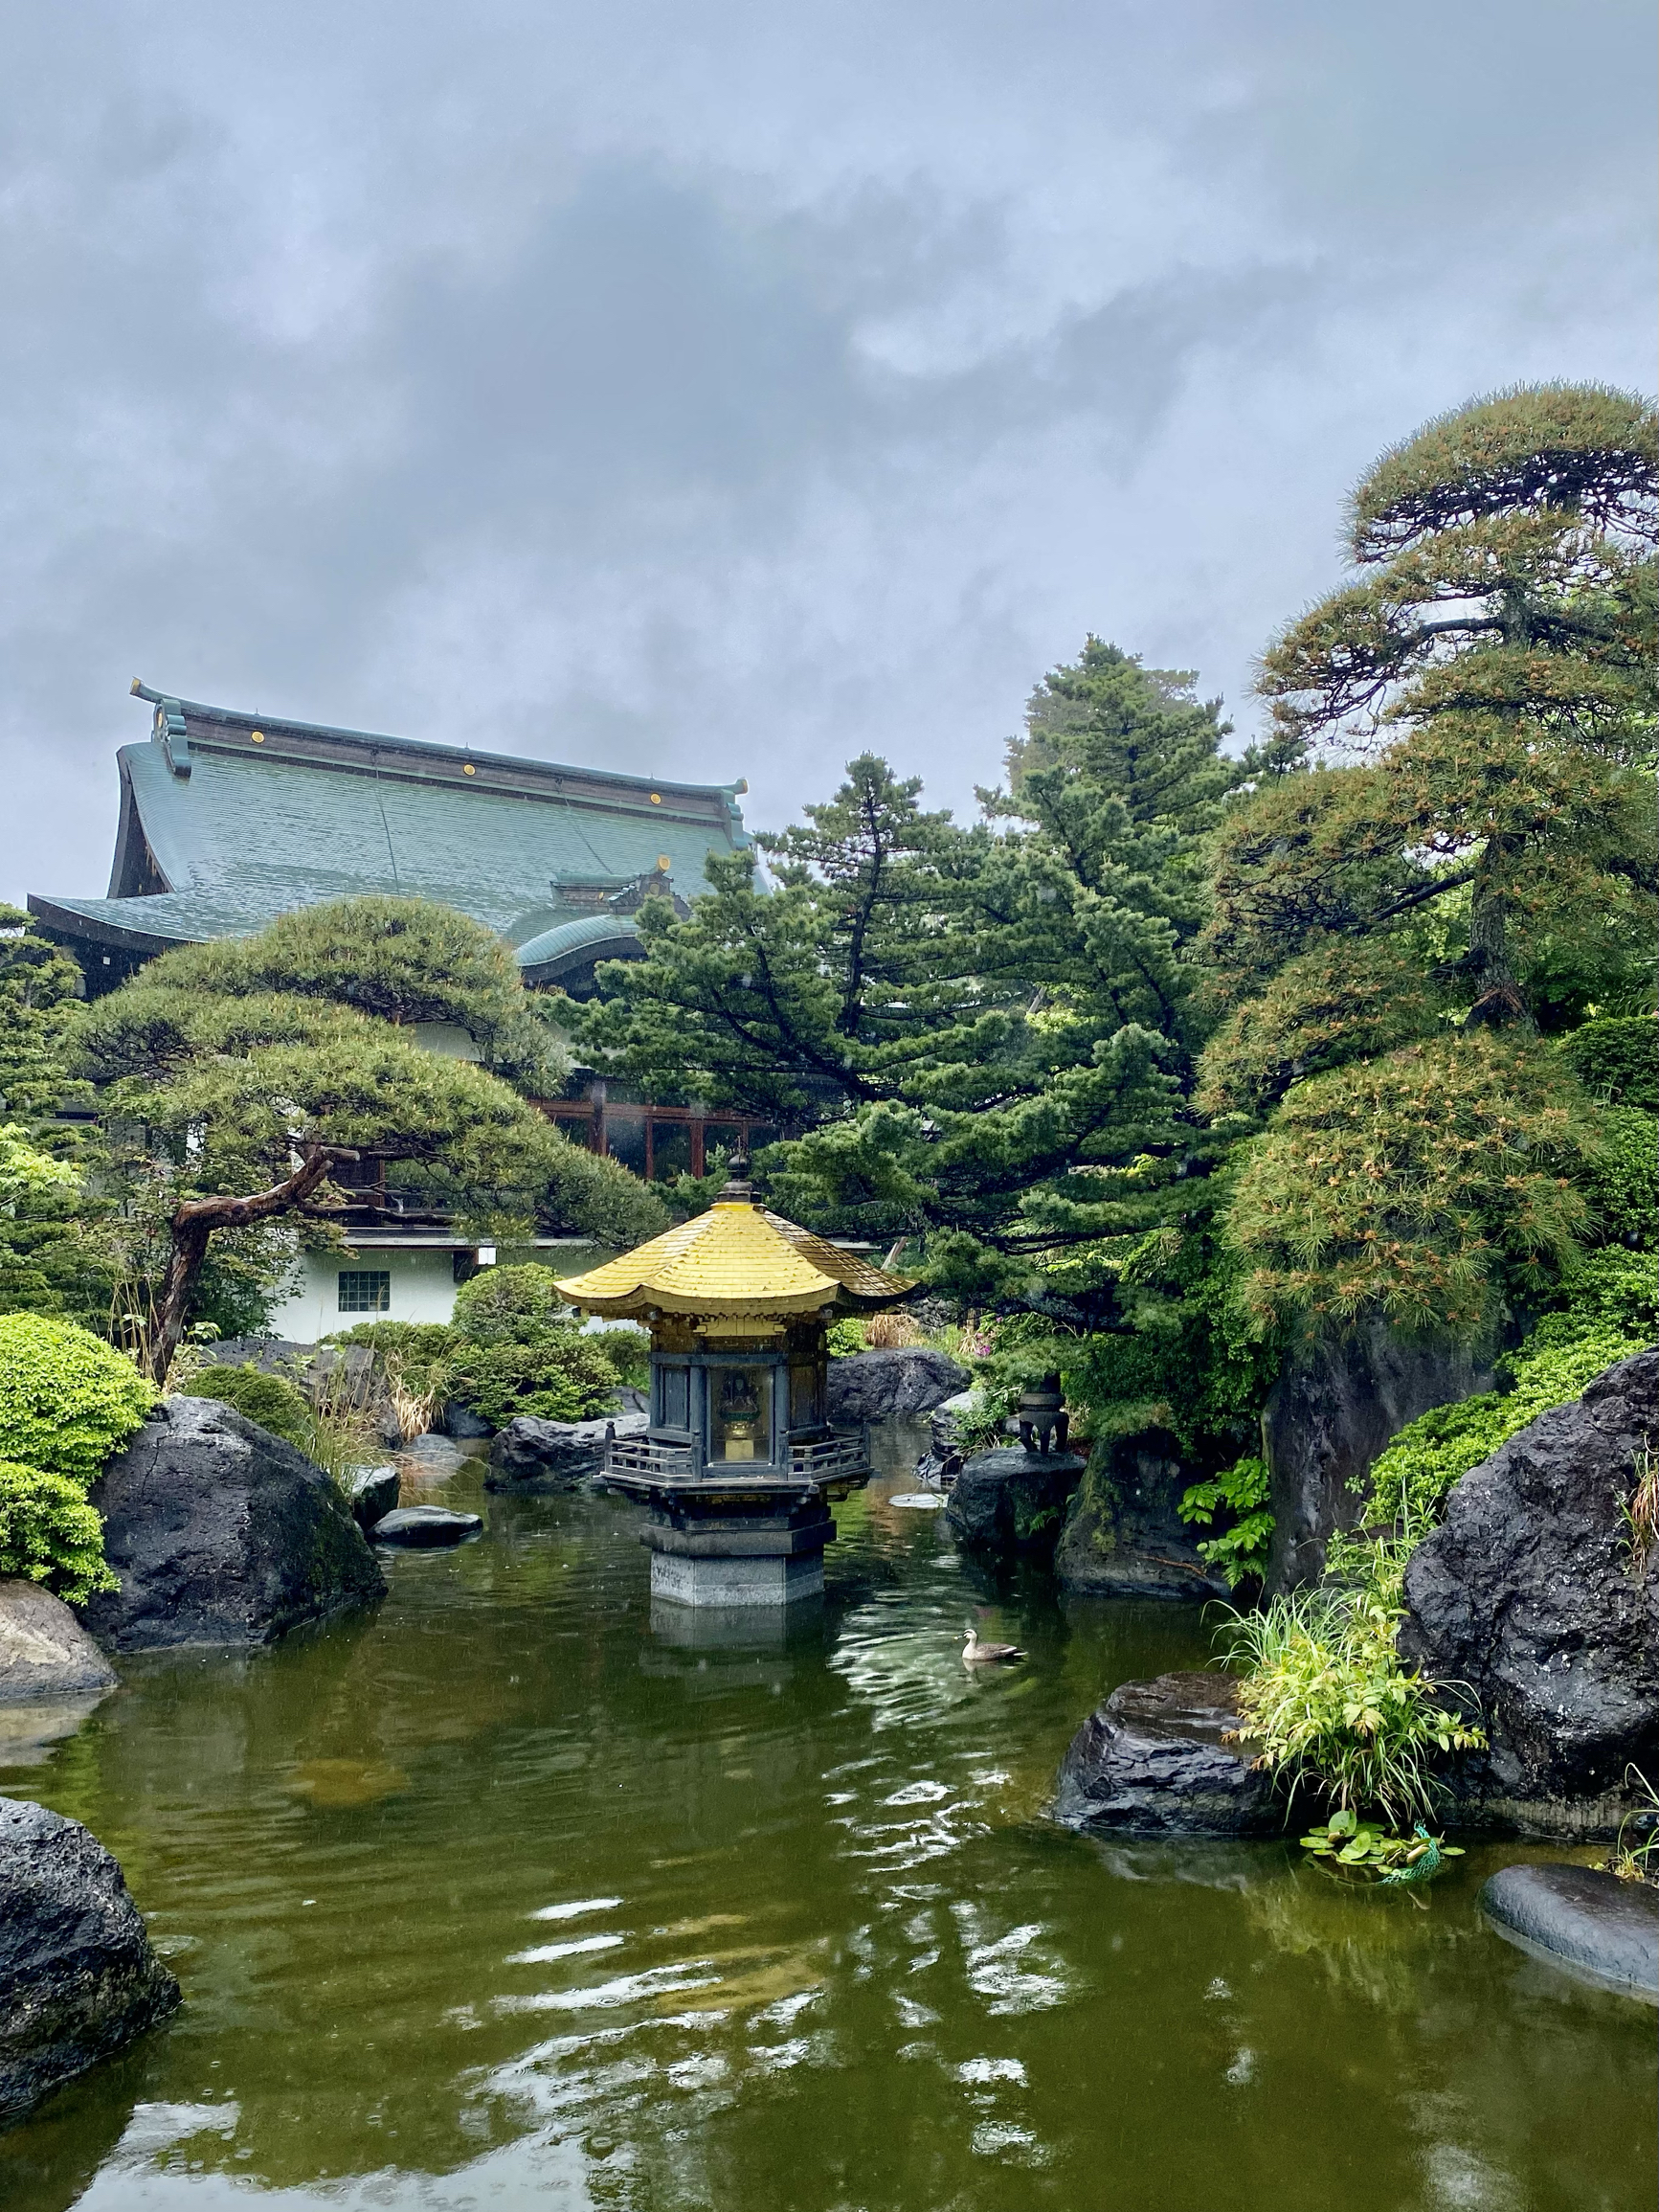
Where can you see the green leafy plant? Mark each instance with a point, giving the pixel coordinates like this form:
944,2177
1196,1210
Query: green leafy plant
560,1376
846,1339
1241,1491
1616,1060
1327,1699
270,1400
508,1305
1637,1862
50,1534
67,1399
1358,1848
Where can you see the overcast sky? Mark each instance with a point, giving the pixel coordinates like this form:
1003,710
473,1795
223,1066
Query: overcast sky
714,390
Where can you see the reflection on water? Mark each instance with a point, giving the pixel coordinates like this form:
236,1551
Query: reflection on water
525,1892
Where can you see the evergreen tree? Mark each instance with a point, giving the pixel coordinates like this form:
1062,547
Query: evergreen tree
235,1079
1491,855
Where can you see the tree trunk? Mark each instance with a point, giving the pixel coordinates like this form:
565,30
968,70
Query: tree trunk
192,1226
1499,1001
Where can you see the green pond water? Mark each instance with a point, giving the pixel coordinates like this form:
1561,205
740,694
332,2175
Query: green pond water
513,1894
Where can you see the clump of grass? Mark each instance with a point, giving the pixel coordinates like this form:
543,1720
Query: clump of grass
1329,1702
1641,1511
1637,1862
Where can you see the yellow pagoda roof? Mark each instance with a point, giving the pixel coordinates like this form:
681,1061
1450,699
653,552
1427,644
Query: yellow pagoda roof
736,1259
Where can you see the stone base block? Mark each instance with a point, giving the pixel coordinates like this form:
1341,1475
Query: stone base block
729,1583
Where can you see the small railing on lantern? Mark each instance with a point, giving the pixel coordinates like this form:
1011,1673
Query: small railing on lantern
842,1458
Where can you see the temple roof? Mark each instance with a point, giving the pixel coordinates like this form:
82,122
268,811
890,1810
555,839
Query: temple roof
229,818
736,1260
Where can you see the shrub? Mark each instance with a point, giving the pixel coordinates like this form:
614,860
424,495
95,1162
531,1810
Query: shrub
67,1400
508,1305
1616,1060
423,1350
50,1534
1328,1700
629,1352
1242,1492
562,1376
1622,1177
275,1403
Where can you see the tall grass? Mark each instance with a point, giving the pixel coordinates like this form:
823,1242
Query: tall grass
1329,1702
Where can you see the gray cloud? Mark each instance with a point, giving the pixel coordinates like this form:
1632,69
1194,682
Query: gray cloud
725,390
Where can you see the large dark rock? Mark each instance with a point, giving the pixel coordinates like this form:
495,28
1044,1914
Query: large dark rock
222,1533
1335,1407
78,1976
1527,1604
1124,1536
531,1453
1590,1920
882,1386
423,1527
1150,1761
461,1422
1013,1501
44,1651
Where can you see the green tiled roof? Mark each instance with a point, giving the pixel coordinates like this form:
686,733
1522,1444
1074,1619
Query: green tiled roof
230,819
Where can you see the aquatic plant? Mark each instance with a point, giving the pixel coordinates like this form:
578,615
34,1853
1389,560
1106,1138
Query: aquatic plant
1328,1700
1357,1847
1637,1862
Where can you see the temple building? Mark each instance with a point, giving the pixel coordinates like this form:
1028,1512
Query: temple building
229,818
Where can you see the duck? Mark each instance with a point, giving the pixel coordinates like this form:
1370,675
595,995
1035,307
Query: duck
976,1654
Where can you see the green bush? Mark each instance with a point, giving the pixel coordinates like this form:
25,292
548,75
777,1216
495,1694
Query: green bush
424,1350
562,1376
629,1352
1242,1492
50,1534
508,1305
1620,1178
1326,1701
275,1403
1616,1060
67,1400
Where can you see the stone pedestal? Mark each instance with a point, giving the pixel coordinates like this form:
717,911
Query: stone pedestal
1012,1499
732,1561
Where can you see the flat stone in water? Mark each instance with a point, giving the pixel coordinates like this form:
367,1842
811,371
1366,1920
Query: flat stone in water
426,1525
1589,1920
1153,1760
920,1500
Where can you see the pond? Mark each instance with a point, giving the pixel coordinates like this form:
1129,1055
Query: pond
513,1895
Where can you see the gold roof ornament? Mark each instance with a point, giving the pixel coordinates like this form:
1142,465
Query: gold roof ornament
736,1260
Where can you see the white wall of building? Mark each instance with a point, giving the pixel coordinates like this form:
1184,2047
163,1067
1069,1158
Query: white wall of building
422,1285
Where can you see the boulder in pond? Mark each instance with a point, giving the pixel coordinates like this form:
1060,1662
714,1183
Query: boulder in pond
463,1423
222,1533
883,1386
430,1458
531,1453
424,1527
78,1976
1152,1761
371,1493
1011,1500
1587,1919
44,1651
1124,1536
1529,1603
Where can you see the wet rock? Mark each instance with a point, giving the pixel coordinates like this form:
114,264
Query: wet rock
423,1527
1124,1536
430,1458
1335,1407
531,1453
222,1533
1150,1761
44,1651
461,1422
78,1976
945,1425
1011,1500
371,1492
879,1386
1592,1921
1527,1603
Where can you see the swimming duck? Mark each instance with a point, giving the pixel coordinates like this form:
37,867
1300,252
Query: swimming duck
978,1654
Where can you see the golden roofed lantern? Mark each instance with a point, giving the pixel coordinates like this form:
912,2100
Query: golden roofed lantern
739,1458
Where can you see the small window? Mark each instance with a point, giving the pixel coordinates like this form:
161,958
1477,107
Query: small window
365,1290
